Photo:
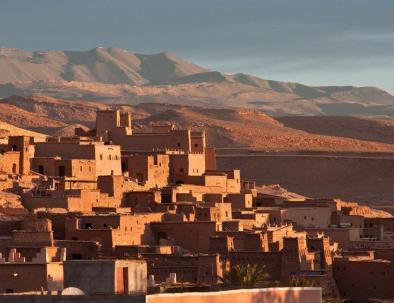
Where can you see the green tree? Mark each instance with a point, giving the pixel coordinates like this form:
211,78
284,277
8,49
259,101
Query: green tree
246,276
334,300
301,282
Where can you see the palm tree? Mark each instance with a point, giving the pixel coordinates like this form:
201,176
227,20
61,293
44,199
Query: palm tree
245,276
334,300
301,282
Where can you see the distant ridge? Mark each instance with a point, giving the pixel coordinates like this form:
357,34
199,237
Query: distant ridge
114,75
101,65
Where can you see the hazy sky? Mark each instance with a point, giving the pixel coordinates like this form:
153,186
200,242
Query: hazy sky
318,42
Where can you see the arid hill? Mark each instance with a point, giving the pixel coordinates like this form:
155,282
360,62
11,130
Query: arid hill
226,128
7,129
113,75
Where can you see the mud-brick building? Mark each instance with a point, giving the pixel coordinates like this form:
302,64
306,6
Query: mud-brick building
106,157
42,272
106,276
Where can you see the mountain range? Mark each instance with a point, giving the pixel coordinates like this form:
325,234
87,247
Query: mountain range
114,75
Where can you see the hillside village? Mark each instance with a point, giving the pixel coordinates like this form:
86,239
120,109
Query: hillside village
150,208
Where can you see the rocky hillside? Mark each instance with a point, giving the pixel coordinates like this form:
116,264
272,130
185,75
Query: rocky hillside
119,76
7,129
234,128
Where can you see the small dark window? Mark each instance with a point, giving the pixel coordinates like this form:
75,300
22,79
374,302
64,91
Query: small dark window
41,169
88,225
62,171
76,257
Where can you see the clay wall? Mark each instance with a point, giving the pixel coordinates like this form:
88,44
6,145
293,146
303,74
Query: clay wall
175,139
109,276
179,234
185,165
76,200
310,217
239,201
76,250
107,156
150,170
141,198
81,169
22,144
221,244
10,162
112,230
35,298
266,295
343,236
105,121
192,269
373,279
25,277
210,158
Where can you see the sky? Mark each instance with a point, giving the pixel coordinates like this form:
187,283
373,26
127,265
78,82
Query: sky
315,42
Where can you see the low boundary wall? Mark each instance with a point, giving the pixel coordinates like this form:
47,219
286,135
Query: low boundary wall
260,295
